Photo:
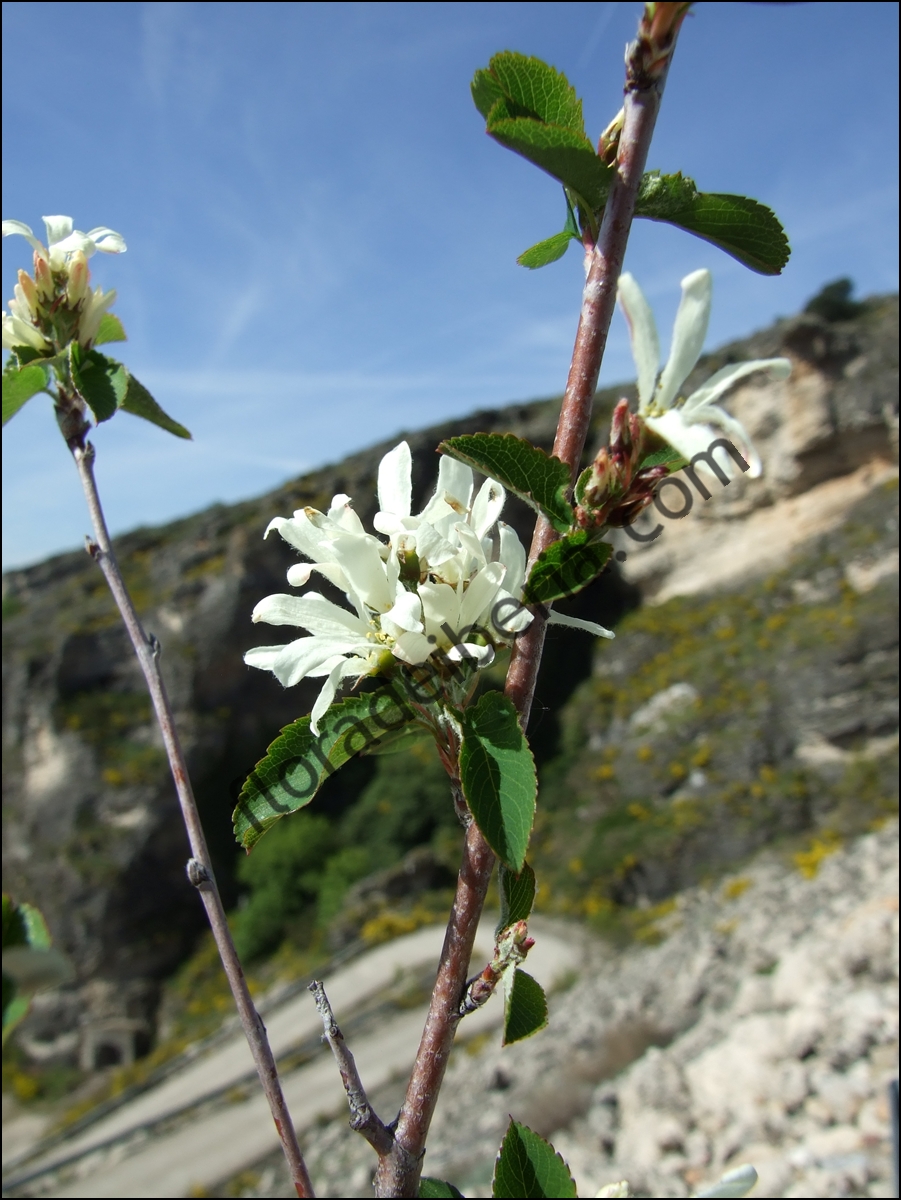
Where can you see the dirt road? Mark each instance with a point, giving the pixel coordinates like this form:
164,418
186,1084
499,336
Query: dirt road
198,1150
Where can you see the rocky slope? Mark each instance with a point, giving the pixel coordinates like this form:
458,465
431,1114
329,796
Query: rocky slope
763,1028
91,828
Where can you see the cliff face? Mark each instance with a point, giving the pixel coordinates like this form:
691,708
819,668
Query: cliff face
92,832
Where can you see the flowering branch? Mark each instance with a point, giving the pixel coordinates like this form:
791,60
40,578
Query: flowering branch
199,868
647,64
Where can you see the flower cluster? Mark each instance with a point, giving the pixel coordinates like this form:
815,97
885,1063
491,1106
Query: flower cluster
57,306
445,588
687,425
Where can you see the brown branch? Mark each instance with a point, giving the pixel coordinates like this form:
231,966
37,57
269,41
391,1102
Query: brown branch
199,867
646,67
362,1117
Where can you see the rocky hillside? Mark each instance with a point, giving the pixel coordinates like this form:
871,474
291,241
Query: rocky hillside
763,1028
710,727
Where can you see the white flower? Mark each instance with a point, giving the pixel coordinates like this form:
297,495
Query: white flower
446,585
63,240
18,332
687,424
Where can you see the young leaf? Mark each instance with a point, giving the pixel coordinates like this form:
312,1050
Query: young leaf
529,1166
101,381
539,89
498,776
564,153
486,91
19,385
140,402
298,763
566,567
525,1007
437,1189
110,330
545,252
522,468
517,895
667,456
743,227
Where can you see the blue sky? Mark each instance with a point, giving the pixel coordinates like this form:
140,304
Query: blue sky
322,240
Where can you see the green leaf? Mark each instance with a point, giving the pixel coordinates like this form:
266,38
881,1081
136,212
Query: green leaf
529,1166
525,1007
298,763
140,402
545,252
522,468
110,330
486,91
437,1189
537,89
743,227
668,456
517,895
566,567
29,961
20,385
101,381
498,776
563,153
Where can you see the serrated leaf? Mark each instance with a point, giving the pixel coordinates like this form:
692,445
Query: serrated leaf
545,252
437,1189
140,403
517,895
110,330
486,91
744,228
19,385
298,762
539,89
528,1166
498,776
565,567
525,1007
565,154
522,468
102,382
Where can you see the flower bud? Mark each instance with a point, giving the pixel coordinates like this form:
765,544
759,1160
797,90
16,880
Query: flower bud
77,283
43,277
29,291
95,306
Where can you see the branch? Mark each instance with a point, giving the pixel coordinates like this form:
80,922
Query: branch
647,63
199,867
362,1118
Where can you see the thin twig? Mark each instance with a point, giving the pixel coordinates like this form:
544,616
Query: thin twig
199,867
398,1172
362,1117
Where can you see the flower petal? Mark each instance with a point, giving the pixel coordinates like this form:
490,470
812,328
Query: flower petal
25,231
453,490
413,648
717,385
479,595
478,656
57,228
487,507
342,513
642,335
396,481
340,670
689,333
513,556
365,571
312,612
405,616
107,240
299,574
577,623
